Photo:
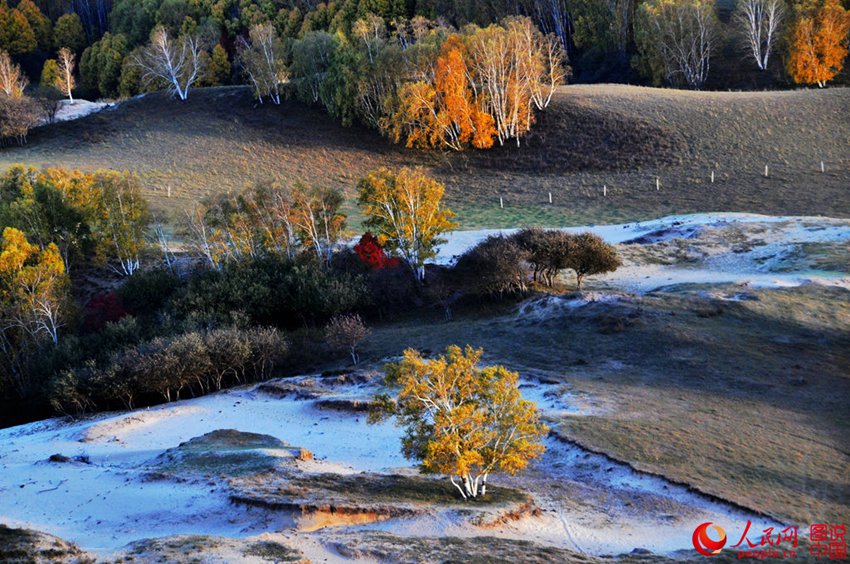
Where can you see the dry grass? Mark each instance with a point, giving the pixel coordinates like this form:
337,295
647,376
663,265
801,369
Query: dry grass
33,547
386,547
748,403
620,136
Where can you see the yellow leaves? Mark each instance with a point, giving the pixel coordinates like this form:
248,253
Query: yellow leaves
466,421
405,209
819,42
16,251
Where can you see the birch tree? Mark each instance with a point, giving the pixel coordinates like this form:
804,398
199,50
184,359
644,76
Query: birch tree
405,209
758,22
67,62
33,286
123,223
461,420
676,39
261,57
820,39
13,81
317,218
177,63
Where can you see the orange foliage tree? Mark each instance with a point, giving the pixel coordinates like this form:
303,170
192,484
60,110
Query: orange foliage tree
819,42
444,112
462,420
480,87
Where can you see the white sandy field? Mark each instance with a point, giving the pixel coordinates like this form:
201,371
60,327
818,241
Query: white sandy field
105,504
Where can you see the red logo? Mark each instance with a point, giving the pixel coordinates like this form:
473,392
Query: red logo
704,544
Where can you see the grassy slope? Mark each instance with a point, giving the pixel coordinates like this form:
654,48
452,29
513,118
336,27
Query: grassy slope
745,400
619,136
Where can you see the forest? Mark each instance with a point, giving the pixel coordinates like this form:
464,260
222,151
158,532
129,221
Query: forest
426,74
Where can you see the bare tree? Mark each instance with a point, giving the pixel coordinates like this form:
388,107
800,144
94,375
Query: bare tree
758,22
177,63
13,82
680,37
345,333
261,57
67,62
164,244
202,237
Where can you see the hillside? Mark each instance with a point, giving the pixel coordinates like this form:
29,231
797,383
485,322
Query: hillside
621,137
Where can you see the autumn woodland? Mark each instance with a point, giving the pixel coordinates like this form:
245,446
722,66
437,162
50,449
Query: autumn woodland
421,280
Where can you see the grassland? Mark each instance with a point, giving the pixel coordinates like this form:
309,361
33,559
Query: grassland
745,400
622,137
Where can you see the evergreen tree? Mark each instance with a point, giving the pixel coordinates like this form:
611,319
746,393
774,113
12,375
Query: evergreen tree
68,32
40,25
16,34
50,75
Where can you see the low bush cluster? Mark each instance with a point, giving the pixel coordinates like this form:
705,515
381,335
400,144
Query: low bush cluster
501,265
192,362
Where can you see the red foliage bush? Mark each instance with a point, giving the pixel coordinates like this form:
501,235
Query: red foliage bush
371,252
102,309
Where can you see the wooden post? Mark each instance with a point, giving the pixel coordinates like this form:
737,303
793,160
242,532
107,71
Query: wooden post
765,171
822,167
501,203
712,177
605,190
657,183
169,190
550,197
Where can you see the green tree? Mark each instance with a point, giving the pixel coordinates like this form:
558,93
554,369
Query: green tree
101,63
219,69
39,23
589,255
68,32
16,34
134,19
50,75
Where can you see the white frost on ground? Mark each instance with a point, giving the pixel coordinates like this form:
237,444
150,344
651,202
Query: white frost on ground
766,264
105,504
78,109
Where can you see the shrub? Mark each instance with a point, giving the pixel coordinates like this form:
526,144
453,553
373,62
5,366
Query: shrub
590,255
146,292
271,291
194,362
106,307
494,267
345,333
548,252
371,252
17,116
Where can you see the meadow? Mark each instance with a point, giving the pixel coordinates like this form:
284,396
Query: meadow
606,153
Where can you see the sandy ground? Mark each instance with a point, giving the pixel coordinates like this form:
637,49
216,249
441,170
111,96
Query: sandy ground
102,501
69,111
105,503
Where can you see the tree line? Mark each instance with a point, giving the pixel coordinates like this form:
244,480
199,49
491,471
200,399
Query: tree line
427,73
